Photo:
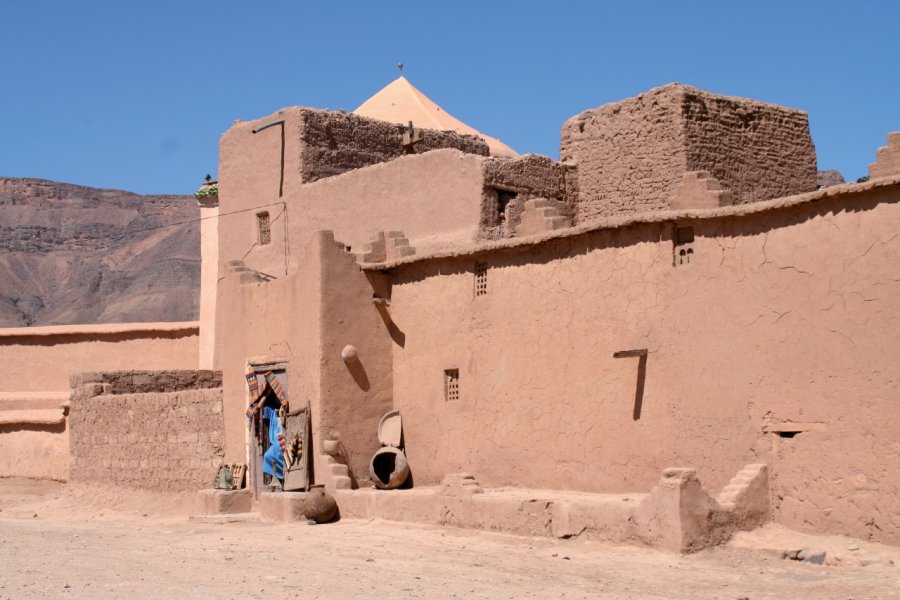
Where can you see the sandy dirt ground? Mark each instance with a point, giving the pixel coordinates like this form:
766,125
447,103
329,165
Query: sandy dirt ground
60,541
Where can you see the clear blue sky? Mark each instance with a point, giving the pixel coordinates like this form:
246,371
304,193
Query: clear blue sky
135,95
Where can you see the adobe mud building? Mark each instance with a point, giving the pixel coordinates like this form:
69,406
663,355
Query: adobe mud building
674,296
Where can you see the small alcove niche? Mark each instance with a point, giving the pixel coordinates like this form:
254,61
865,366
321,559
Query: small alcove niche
451,385
504,197
263,228
683,248
481,271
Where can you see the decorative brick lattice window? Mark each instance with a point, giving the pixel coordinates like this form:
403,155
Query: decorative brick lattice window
451,385
264,228
683,250
481,269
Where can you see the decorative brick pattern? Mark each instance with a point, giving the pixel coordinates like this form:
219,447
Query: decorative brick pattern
387,245
683,248
451,385
698,189
887,161
540,215
481,272
151,429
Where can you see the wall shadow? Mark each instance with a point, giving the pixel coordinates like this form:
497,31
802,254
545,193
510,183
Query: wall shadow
395,332
358,371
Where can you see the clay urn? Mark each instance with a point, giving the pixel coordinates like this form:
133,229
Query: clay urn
349,353
331,447
319,505
389,468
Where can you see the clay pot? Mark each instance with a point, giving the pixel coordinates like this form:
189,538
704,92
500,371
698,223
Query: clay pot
319,505
389,468
331,447
349,353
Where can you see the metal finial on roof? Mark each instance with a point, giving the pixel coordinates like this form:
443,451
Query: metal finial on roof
400,66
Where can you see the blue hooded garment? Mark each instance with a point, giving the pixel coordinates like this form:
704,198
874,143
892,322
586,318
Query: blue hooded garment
273,459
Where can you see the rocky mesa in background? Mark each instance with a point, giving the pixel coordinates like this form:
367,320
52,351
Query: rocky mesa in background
71,254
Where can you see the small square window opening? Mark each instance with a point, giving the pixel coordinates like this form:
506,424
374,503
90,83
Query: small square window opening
683,249
481,269
451,385
264,228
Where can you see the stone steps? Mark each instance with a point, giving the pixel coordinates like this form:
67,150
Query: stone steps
387,246
340,474
540,215
740,484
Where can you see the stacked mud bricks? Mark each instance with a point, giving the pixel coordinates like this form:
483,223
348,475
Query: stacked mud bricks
529,178
630,156
153,429
336,142
887,161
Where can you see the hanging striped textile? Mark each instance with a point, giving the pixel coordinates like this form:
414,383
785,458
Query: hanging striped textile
276,387
253,385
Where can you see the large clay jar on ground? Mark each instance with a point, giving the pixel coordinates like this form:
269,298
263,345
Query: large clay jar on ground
319,505
389,468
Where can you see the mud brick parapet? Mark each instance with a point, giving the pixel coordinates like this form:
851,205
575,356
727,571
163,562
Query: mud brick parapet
153,429
532,174
887,161
140,382
631,155
336,142
521,179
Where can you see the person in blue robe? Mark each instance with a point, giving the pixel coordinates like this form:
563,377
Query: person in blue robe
273,459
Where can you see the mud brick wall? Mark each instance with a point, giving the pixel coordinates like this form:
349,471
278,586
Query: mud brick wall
530,176
532,173
630,155
336,142
152,429
758,151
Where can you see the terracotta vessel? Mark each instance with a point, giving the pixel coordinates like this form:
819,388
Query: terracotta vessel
319,505
389,468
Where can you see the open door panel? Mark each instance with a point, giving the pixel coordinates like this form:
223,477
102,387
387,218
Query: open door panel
296,428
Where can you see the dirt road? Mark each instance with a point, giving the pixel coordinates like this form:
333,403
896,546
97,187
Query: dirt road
91,545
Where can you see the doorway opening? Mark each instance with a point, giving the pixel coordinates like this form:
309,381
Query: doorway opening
278,433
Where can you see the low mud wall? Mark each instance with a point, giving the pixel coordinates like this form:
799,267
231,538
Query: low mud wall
161,430
34,438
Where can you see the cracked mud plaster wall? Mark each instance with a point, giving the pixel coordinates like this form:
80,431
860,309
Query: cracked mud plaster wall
630,155
434,198
789,315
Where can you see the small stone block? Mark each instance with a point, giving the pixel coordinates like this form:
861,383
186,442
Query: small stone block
342,482
221,502
282,506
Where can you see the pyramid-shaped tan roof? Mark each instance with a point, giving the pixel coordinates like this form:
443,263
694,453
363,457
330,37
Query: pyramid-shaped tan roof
400,102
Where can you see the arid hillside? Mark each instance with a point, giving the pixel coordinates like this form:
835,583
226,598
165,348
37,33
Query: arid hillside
73,254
